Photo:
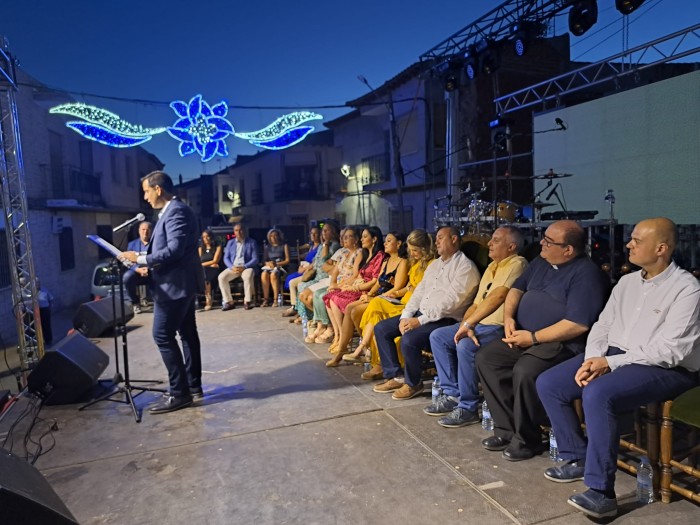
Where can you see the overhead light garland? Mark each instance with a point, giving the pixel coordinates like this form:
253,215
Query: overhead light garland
200,128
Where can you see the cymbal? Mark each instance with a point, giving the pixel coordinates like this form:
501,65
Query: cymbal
551,175
541,205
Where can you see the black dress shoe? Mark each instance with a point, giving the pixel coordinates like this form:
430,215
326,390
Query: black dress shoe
495,443
571,471
228,306
521,453
170,404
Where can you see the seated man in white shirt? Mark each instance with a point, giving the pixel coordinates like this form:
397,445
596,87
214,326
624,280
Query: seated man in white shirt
440,299
645,347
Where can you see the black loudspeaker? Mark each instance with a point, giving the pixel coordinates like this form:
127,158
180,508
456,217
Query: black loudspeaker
96,317
68,370
26,498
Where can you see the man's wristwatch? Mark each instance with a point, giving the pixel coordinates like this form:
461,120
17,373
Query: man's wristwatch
469,326
535,342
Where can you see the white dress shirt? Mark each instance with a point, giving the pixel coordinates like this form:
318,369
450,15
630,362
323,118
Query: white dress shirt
655,321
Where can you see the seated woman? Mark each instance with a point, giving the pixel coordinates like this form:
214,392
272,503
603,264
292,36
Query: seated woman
421,250
344,272
392,277
275,258
293,279
318,271
337,300
210,254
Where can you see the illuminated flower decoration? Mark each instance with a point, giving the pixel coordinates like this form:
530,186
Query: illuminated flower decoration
201,128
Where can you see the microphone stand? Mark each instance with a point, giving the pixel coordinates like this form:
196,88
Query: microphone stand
556,194
610,198
122,384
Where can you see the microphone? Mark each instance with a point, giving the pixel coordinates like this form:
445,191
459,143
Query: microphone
139,217
559,122
551,193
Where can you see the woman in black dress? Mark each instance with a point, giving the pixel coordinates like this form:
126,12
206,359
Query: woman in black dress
210,255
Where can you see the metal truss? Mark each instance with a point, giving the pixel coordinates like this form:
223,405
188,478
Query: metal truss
667,49
25,305
496,25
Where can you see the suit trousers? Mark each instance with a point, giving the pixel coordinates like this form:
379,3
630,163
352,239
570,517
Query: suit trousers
169,319
133,280
412,342
508,378
456,362
604,399
228,275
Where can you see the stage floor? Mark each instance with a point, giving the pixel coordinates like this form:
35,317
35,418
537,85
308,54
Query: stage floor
279,438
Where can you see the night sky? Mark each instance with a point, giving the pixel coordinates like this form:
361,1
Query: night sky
299,55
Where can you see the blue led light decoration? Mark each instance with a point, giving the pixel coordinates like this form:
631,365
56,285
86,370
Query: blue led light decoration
200,128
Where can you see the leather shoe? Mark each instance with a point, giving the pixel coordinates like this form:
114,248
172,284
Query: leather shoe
247,306
571,471
512,453
227,306
594,504
495,443
170,404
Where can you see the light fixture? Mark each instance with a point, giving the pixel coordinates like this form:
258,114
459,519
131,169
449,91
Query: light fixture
523,32
471,62
449,73
627,6
582,16
489,57
345,170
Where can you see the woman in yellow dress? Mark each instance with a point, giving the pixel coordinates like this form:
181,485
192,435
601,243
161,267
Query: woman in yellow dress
421,250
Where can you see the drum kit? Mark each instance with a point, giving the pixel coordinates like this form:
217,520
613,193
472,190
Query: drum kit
477,217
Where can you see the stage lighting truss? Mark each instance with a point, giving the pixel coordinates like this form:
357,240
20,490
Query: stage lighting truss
582,16
627,6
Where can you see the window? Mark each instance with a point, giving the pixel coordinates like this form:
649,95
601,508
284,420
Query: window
65,245
375,169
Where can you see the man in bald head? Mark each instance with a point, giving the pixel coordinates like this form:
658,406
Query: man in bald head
547,314
645,347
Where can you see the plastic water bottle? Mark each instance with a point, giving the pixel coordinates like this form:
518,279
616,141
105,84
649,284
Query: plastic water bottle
645,482
486,419
436,390
304,327
553,448
367,366
280,299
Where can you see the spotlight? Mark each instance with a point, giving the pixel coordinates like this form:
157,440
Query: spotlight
449,72
627,6
523,32
490,58
451,82
582,16
471,62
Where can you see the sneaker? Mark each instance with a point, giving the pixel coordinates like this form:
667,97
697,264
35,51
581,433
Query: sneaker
388,386
137,309
594,504
571,471
170,404
459,417
407,392
444,405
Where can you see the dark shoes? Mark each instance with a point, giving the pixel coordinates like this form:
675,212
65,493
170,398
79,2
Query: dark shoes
594,504
170,404
227,306
459,417
571,471
495,443
443,406
247,306
512,453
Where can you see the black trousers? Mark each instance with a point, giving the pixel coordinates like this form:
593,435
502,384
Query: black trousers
508,378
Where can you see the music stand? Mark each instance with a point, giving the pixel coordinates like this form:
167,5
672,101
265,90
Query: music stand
121,384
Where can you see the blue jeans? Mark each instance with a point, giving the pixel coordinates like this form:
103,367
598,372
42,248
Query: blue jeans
604,399
412,342
456,364
171,318
133,280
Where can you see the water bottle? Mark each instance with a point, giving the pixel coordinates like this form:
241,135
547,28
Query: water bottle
486,419
304,327
553,449
645,482
436,390
367,366
280,300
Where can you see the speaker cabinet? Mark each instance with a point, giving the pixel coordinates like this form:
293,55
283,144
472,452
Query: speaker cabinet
26,498
96,317
68,370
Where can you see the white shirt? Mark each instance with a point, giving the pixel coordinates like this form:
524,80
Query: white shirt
655,321
239,260
446,290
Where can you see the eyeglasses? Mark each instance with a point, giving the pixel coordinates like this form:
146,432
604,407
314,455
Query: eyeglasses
549,242
486,292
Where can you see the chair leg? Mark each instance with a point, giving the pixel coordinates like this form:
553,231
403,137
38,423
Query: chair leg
666,452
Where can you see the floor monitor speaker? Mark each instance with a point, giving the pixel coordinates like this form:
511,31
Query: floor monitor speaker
96,317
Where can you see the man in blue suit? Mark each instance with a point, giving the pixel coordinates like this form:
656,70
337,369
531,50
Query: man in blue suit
138,275
241,261
176,276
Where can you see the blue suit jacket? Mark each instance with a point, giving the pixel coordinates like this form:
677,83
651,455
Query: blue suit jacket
173,261
250,253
